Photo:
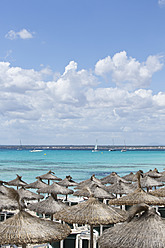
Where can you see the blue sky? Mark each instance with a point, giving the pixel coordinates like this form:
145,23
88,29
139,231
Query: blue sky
75,71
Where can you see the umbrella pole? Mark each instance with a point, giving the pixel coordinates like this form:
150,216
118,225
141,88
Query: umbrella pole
23,245
91,236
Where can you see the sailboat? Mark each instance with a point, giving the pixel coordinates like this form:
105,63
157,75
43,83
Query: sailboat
20,147
95,149
112,149
124,148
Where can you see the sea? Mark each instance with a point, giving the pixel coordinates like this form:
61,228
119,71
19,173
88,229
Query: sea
79,164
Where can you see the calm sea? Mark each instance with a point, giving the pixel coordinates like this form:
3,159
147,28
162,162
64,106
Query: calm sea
79,164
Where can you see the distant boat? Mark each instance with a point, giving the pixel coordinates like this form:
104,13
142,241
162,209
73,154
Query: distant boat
34,150
112,149
124,149
95,149
20,147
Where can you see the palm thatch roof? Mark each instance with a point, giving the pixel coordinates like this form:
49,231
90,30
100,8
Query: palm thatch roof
158,192
55,189
89,182
147,182
138,196
24,228
7,203
50,175
96,191
145,231
28,195
91,212
17,182
48,206
120,188
161,179
3,189
112,178
38,184
68,182
152,173
129,177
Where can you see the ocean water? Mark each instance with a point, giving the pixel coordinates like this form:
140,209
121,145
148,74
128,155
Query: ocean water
79,164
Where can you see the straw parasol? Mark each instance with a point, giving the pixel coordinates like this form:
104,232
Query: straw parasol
67,182
158,192
91,212
89,182
24,228
50,175
129,177
38,184
7,203
153,173
3,188
120,188
144,231
161,179
48,206
55,188
149,182
96,191
28,195
18,182
113,178
138,196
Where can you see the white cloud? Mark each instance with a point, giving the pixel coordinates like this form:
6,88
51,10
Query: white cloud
22,34
127,72
161,2
75,108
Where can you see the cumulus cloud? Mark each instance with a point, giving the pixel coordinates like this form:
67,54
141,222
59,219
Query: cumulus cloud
76,108
127,72
161,2
22,34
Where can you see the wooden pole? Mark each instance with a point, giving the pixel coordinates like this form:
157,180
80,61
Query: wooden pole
91,236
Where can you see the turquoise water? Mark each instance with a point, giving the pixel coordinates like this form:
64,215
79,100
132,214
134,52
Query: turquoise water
79,164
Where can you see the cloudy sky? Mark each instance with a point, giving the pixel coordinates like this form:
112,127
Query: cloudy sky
75,71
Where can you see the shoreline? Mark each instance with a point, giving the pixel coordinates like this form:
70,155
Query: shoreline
82,147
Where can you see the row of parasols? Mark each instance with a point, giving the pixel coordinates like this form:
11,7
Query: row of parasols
143,230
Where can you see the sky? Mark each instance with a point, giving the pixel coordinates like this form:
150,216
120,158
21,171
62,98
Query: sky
73,72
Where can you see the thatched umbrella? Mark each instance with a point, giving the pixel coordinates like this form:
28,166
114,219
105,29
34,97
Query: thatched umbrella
68,182
89,182
96,191
24,228
55,188
161,179
38,184
49,176
28,195
158,192
18,182
138,196
3,188
112,178
7,203
129,177
152,173
149,182
90,212
144,231
48,206
120,188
